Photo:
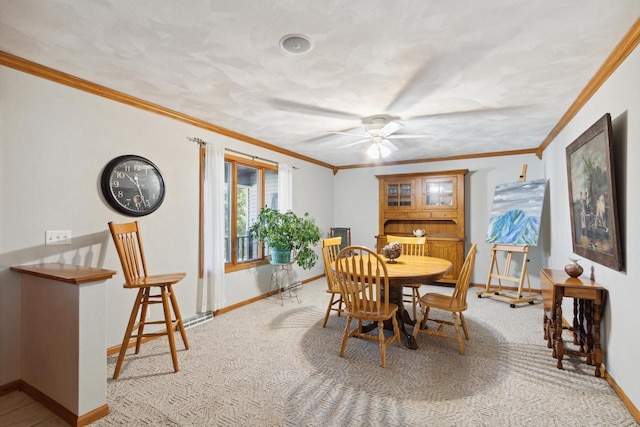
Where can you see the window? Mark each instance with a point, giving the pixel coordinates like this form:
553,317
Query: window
249,186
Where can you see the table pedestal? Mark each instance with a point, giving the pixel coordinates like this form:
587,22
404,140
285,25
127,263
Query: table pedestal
402,316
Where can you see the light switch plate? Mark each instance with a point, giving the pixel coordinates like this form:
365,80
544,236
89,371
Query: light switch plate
57,237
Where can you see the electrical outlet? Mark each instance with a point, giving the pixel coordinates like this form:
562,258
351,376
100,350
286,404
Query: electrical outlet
57,237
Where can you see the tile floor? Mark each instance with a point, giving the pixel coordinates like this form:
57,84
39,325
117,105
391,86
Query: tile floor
17,409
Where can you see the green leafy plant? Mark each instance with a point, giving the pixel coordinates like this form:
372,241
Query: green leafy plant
286,230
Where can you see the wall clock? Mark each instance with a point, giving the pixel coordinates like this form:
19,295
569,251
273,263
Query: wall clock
132,185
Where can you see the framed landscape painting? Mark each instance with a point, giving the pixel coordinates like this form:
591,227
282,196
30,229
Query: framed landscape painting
592,196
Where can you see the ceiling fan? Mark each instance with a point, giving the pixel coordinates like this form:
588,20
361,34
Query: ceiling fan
378,130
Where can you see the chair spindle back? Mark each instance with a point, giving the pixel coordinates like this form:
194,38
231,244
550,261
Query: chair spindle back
363,280
130,250
464,279
410,245
330,249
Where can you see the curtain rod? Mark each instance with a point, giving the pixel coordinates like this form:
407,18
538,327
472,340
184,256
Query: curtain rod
203,143
198,140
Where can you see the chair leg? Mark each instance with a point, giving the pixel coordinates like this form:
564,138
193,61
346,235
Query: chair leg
143,317
418,325
326,316
458,333
415,297
396,331
170,328
383,345
176,311
345,337
425,318
464,326
128,332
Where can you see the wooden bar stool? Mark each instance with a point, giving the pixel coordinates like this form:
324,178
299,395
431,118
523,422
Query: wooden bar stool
130,250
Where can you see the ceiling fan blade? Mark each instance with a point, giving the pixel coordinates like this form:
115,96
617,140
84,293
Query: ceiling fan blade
439,70
314,110
390,128
424,80
346,133
389,145
356,143
483,110
424,135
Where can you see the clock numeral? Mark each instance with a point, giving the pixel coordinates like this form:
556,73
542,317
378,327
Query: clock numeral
115,184
120,175
119,194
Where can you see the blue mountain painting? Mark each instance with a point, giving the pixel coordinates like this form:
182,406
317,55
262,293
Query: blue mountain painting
514,228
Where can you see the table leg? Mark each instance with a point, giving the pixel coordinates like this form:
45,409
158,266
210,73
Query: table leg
575,321
587,347
582,337
597,350
548,330
557,338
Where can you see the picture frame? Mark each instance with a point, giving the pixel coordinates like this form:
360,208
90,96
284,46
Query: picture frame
592,196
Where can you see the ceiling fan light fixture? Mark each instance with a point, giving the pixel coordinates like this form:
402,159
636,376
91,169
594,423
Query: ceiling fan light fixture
296,44
377,151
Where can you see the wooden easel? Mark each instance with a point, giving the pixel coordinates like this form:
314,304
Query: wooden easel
496,291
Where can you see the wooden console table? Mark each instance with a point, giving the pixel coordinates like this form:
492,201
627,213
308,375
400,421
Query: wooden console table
588,305
63,338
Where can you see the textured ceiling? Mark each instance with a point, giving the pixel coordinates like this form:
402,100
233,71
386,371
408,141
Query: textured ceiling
478,76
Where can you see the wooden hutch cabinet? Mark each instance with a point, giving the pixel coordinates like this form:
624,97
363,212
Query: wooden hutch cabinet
432,201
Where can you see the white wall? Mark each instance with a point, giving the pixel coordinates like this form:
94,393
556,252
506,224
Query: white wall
54,143
356,201
619,96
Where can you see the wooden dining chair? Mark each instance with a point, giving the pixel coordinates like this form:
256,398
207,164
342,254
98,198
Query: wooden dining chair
364,283
344,232
411,246
330,249
455,304
131,253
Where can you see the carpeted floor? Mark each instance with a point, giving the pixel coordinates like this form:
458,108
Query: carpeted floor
272,365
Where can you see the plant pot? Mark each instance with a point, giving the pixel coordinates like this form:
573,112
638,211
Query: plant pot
280,255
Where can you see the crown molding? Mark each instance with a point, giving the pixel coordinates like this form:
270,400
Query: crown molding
617,57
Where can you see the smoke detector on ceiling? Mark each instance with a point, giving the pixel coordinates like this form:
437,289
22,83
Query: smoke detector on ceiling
296,43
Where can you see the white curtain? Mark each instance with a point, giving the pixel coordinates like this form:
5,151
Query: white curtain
285,187
213,281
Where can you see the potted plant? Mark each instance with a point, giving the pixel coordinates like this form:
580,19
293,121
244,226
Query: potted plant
287,232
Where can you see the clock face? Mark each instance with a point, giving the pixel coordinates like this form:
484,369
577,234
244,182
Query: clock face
132,185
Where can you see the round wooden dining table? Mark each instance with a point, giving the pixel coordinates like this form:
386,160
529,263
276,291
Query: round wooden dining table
409,270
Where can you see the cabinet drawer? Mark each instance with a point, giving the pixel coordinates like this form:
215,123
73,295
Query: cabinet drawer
444,214
395,215
419,215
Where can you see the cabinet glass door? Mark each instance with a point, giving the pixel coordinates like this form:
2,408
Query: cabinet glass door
399,195
439,192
